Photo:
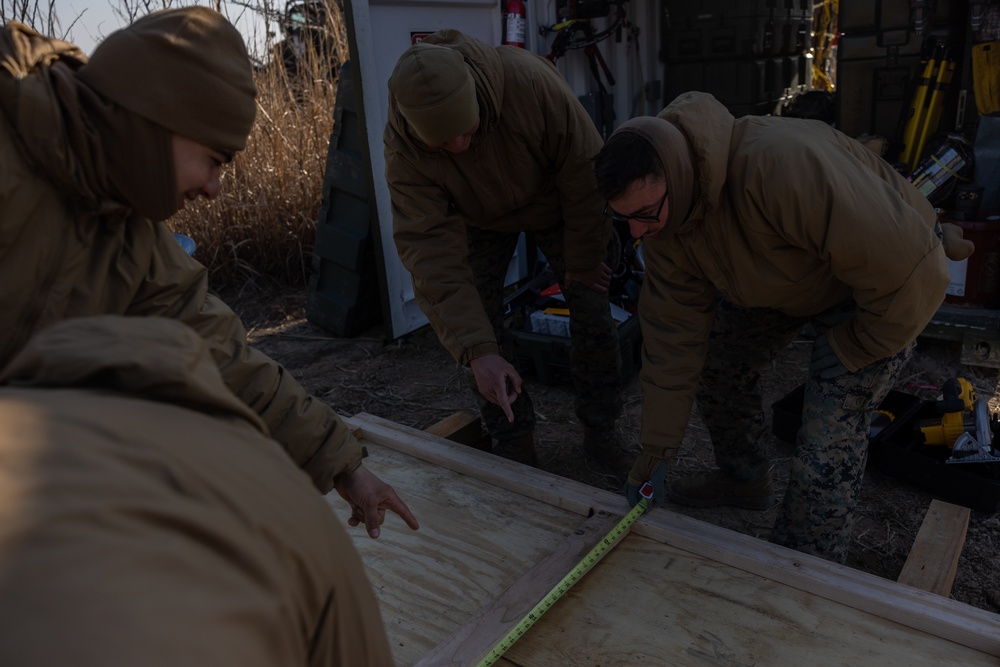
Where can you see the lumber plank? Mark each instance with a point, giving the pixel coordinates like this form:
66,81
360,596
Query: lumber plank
923,611
933,560
475,639
527,481
461,426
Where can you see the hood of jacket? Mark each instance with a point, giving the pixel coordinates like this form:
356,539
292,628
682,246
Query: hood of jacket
487,71
105,160
708,127
155,358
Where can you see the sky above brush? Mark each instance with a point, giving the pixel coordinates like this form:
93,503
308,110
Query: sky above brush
86,22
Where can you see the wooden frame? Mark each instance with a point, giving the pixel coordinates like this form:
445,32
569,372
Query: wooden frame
780,601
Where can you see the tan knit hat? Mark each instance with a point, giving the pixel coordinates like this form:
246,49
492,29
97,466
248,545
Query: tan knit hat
435,92
184,69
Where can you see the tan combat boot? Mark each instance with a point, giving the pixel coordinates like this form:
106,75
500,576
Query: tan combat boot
716,488
520,449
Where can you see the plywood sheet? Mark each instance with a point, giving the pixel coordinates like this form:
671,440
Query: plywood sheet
475,540
682,595
650,604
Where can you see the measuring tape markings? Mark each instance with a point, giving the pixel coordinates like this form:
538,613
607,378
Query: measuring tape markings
567,582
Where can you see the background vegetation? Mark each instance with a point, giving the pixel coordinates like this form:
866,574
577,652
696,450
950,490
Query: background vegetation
260,232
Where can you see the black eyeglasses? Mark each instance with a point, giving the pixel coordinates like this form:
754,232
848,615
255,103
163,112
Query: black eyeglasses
650,219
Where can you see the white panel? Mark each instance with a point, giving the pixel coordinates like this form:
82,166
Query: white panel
381,32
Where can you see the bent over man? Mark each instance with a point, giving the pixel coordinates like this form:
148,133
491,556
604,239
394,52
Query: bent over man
484,143
95,154
752,228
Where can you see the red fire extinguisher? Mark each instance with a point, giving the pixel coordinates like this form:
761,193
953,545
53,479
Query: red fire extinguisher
515,23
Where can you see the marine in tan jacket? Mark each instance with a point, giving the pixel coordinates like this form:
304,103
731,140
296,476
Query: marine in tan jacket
95,155
751,228
146,518
484,143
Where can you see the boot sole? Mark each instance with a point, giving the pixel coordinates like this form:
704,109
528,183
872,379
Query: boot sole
760,503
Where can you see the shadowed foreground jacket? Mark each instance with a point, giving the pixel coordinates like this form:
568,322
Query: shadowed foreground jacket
147,519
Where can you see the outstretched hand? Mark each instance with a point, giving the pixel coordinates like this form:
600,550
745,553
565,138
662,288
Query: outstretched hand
369,498
597,278
497,381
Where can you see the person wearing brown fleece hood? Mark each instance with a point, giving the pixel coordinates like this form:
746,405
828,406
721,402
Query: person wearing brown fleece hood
483,144
96,154
753,228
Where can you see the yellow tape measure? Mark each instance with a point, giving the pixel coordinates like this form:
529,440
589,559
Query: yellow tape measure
574,575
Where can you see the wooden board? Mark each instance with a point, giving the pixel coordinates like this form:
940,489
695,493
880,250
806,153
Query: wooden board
933,560
676,591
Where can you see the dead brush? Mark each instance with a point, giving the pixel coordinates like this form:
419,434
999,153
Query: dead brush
261,230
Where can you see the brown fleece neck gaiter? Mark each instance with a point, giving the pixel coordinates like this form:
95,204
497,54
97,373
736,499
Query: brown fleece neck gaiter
125,157
139,156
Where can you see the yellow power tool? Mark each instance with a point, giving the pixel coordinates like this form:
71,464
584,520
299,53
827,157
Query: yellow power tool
965,425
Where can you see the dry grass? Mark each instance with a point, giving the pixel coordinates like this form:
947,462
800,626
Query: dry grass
263,225
261,230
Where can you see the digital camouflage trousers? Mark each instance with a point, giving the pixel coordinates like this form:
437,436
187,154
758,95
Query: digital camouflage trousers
831,447
595,359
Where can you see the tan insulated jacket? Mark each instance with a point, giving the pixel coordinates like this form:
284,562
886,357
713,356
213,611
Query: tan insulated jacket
146,519
792,215
66,251
530,167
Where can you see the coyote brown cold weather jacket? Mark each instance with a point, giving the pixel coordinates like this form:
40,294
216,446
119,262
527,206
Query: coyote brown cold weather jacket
529,168
787,214
146,519
67,251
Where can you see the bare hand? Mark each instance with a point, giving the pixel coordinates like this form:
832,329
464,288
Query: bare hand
497,381
597,278
369,498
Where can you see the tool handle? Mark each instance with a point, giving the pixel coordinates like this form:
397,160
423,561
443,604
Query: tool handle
951,397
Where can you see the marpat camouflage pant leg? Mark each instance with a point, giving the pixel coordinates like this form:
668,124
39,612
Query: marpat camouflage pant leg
595,354
828,464
489,257
743,342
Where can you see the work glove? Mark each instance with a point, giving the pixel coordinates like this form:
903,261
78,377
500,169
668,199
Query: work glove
824,361
956,246
647,468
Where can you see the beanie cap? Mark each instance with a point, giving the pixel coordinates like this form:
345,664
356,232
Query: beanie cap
185,69
435,92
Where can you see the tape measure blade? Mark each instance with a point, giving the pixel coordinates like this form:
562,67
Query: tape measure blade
601,545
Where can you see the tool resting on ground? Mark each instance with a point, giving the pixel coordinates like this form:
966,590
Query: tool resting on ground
965,425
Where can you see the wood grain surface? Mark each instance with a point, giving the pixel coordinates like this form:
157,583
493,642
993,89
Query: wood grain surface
676,592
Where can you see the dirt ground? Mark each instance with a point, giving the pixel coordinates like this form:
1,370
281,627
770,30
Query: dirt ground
413,381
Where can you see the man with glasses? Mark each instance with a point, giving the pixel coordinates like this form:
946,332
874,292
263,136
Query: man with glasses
484,143
753,228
